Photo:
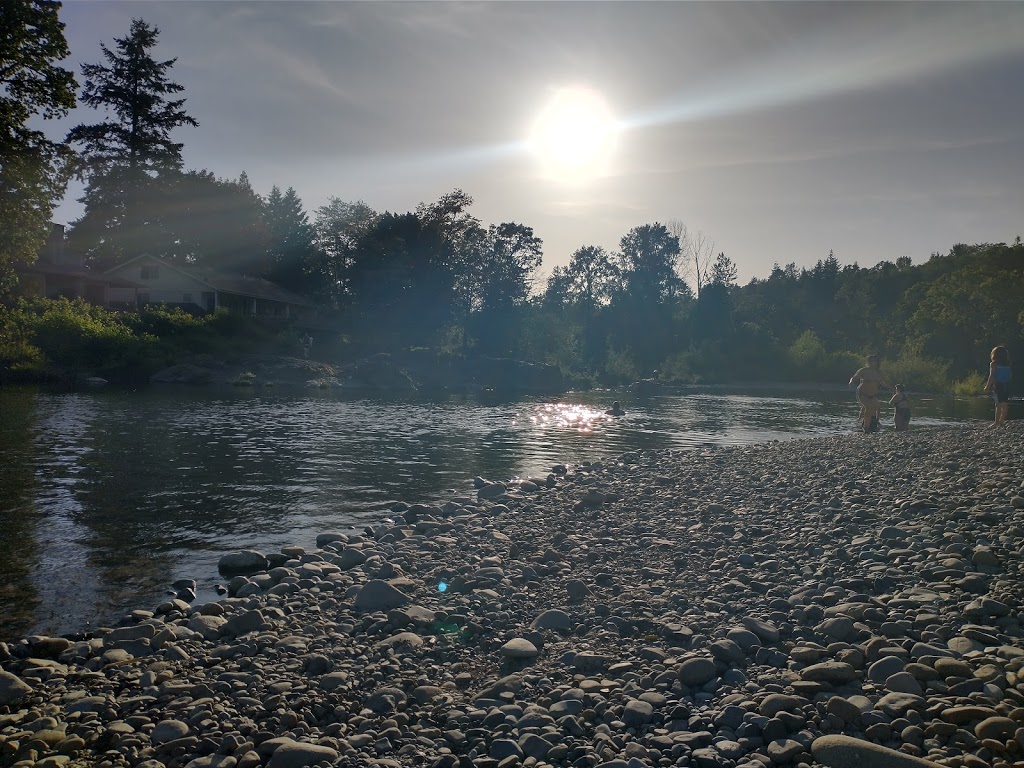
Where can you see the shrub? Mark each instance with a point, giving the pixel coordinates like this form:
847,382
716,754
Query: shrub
79,338
619,368
917,373
18,353
971,384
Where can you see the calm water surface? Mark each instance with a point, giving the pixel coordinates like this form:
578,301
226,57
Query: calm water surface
108,497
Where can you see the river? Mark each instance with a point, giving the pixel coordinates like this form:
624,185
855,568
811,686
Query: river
107,497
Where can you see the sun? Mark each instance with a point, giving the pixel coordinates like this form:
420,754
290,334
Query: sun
574,135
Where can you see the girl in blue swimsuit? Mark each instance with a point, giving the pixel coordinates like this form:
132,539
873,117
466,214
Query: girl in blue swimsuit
999,374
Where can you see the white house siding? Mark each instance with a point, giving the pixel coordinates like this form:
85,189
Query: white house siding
169,287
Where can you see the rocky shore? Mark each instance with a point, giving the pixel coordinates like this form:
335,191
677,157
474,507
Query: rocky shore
850,601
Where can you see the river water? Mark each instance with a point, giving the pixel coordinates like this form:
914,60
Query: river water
107,497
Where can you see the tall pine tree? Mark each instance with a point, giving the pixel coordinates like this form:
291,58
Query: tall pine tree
123,156
33,169
291,237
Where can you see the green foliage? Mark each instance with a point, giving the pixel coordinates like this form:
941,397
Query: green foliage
44,338
33,170
807,352
18,354
917,373
971,385
84,339
619,368
678,369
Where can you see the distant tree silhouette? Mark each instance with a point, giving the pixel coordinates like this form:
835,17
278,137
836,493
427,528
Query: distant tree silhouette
121,157
290,250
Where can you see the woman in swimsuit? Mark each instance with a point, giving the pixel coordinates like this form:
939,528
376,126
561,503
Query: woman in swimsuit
999,382
869,387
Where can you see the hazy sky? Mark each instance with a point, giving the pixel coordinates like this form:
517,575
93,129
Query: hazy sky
780,130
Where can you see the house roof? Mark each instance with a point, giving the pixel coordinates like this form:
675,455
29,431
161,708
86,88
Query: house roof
73,271
256,287
226,282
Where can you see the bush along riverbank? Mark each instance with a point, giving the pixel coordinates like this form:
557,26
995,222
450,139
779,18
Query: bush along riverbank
849,601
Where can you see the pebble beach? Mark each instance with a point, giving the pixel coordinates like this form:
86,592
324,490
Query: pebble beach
852,601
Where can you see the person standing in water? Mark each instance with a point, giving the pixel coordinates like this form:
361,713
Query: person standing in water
869,386
900,401
999,374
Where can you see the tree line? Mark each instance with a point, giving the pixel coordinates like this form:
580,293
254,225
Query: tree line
664,304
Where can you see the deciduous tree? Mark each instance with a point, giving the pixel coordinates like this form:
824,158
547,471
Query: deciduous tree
33,169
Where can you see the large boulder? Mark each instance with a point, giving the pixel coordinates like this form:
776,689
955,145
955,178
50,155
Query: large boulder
242,563
378,595
12,688
183,373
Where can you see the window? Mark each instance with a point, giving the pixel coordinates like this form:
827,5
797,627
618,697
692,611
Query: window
150,272
186,298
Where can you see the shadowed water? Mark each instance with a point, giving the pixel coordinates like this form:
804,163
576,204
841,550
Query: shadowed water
108,497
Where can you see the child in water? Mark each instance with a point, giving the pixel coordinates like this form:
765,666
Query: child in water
900,401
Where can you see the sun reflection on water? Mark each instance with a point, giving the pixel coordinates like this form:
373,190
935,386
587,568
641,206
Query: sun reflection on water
575,416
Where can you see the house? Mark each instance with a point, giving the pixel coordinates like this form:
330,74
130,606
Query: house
199,289
56,273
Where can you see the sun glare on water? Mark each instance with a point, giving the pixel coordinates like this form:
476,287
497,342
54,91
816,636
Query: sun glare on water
574,135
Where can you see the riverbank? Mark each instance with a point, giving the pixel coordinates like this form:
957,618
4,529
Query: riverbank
714,608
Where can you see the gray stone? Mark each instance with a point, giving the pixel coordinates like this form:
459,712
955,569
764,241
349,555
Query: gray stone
898,704
884,668
244,623
998,728
834,672
848,752
555,619
168,730
695,672
378,595
904,682
12,689
294,754
637,713
519,648
774,703
242,563
765,630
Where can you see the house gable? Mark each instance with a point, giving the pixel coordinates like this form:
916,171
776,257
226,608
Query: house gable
162,283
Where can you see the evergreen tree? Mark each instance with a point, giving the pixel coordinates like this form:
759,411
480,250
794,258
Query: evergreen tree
290,253
122,156
196,218
724,272
33,169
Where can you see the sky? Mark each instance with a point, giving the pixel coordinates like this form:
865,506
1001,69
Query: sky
781,131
